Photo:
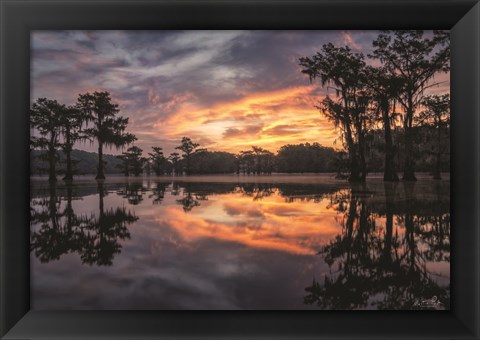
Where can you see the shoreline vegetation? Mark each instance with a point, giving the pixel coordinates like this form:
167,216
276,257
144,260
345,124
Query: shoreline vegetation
85,167
386,121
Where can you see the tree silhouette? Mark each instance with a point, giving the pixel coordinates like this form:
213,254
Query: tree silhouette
263,160
203,161
247,161
436,115
158,161
132,161
187,147
383,89
307,157
71,126
124,166
108,129
415,60
46,118
175,159
344,71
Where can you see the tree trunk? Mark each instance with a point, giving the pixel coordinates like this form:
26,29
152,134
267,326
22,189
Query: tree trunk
68,151
51,165
389,174
68,172
100,171
51,153
363,163
352,155
187,168
354,170
409,166
438,163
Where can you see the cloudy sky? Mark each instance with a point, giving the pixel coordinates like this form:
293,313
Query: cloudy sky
227,90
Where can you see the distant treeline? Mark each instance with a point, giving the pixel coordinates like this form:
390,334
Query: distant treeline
84,163
299,158
290,158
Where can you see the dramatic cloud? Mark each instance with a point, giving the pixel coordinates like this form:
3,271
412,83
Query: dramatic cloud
228,90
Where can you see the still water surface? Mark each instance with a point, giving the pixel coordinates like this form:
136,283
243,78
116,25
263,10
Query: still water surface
267,242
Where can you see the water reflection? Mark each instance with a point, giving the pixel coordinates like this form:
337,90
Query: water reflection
323,246
385,265
133,192
59,230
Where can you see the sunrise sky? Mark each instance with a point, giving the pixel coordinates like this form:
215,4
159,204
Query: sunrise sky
227,90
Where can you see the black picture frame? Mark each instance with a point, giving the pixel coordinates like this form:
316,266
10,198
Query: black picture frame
19,17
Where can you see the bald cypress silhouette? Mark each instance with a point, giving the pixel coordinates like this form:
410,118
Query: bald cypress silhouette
158,160
46,119
105,125
72,121
415,59
383,88
187,146
340,69
437,116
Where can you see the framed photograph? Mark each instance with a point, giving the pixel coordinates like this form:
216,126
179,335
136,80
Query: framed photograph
219,169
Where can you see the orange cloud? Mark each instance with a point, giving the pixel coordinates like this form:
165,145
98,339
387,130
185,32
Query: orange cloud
267,119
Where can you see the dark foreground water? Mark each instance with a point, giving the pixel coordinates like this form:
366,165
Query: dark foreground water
273,242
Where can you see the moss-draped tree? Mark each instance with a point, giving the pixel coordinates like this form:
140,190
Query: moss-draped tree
437,116
104,124
71,126
46,119
383,89
340,69
415,59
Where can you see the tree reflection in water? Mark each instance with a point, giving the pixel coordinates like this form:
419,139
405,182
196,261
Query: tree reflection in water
158,192
392,234
133,192
379,267
257,191
95,238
